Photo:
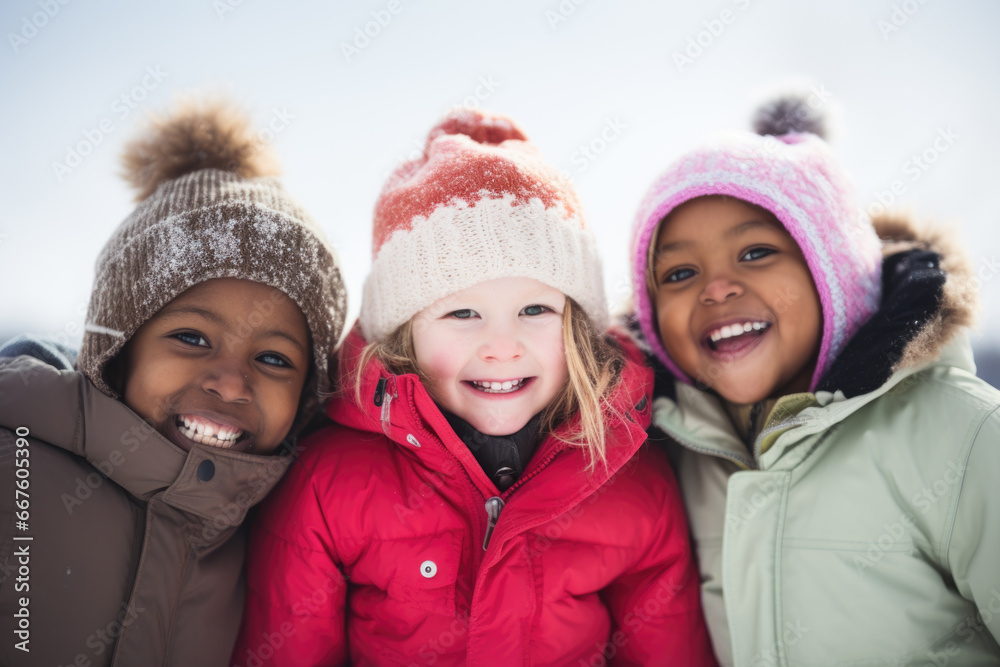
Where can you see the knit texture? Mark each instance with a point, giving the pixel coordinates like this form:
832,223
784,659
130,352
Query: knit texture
205,225
797,178
480,203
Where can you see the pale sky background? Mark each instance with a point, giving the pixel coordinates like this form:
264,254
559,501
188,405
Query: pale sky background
899,72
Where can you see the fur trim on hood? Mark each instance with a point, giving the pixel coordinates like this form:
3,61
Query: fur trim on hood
959,303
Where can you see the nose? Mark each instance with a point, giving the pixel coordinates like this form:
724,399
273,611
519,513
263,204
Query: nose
720,289
229,382
501,343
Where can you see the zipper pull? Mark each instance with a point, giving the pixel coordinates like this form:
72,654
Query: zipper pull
388,393
493,507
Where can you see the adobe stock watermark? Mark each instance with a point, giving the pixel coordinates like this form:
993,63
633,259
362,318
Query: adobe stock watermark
634,621
924,500
258,317
966,631
914,168
485,87
898,17
430,652
302,610
588,152
71,332
555,529
129,440
562,12
714,28
86,486
32,25
788,635
104,638
766,491
419,494
232,514
621,288
278,122
986,271
121,108
364,35
223,7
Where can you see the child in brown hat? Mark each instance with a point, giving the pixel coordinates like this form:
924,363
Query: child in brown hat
215,310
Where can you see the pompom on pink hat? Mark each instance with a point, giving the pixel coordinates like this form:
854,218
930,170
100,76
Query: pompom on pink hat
789,170
480,203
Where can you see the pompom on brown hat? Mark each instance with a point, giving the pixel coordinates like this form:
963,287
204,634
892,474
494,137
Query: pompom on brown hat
209,208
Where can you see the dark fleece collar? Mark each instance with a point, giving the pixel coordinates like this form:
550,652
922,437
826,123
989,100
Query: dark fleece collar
912,288
502,457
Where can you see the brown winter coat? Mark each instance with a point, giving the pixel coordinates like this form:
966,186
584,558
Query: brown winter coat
136,555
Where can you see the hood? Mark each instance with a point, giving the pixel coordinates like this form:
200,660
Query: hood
957,305
928,297
400,407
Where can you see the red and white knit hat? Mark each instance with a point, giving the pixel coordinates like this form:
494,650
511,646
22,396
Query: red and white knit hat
480,203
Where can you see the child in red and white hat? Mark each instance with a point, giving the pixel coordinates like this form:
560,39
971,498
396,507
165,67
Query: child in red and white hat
485,496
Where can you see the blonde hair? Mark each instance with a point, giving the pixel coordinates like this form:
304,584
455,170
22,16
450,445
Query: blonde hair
594,364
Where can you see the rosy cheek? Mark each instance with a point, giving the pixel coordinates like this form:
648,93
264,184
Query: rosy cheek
439,364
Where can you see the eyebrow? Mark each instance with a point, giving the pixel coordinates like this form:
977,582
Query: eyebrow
739,229
671,247
216,318
747,226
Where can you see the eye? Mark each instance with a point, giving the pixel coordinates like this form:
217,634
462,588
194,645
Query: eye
191,338
677,276
536,309
758,252
464,314
274,359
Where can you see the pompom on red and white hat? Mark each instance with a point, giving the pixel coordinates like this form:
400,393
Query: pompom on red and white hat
481,203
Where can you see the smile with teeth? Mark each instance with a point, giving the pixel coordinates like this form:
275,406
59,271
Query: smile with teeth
491,387
207,433
738,329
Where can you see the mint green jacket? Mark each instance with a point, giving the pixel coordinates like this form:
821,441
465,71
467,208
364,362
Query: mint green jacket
861,531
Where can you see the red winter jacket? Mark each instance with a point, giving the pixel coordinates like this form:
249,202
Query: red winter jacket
371,550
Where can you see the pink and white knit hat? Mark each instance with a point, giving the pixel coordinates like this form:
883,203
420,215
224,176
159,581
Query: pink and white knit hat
797,178
481,203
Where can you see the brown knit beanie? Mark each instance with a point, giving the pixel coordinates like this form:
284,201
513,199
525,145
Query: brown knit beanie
208,210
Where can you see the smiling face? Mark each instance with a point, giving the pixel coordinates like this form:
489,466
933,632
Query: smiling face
223,364
493,354
736,305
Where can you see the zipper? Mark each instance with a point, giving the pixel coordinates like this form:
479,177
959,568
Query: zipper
493,508
472,485
383,397
523,479
495,504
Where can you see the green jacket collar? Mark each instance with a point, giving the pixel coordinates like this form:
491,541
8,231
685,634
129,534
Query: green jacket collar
698,421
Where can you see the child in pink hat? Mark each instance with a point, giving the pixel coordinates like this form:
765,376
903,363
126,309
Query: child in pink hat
835,451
